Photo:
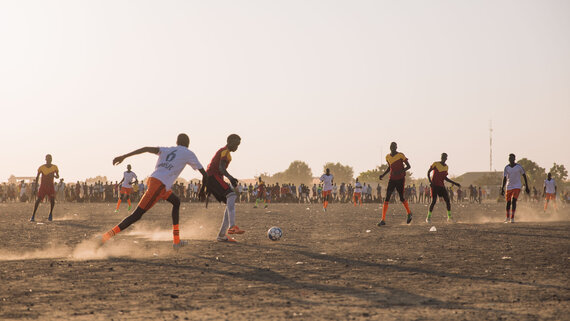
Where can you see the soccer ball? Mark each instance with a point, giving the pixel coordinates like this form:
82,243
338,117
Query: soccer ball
274,233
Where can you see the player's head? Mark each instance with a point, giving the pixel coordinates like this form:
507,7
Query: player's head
129,167
443,157
48,159
183,140
328,171
512,158
233,142
357,179
393,147
549,176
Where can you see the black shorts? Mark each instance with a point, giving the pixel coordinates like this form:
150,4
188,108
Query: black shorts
218,187
439,191
398,185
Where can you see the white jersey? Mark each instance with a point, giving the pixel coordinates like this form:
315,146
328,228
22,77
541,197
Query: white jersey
171,162
128,179
513,175
550,186
328,182
358,187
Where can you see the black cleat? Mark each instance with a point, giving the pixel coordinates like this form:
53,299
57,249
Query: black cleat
381,223
409,218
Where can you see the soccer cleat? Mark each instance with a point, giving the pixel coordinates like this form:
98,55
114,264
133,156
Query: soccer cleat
50,218
129,208
32,219
179,245
450,220
512,220
117,211
409,218
506,220
225,238
324,209
381,223
254,206
266,206
428,220
235,230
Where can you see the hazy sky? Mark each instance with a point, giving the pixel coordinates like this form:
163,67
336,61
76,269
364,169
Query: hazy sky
304,80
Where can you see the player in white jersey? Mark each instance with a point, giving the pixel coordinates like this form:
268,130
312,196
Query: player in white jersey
129,178
327,180
357,196
512,179
171,162
549,191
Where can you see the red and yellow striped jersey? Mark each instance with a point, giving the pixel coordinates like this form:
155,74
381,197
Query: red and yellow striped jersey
48,174
439,174
396,163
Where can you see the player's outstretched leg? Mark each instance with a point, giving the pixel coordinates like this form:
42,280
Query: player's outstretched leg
51,206
38,201
135,216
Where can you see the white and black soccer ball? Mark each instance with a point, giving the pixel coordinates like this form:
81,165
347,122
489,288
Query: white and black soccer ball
274,233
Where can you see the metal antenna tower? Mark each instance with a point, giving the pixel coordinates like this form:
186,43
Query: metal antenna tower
490,145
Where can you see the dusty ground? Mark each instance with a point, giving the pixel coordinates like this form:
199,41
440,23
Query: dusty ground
337,265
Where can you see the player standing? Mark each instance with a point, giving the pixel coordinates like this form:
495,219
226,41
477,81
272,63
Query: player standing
49,172
550,190
396,162
223,192
327,180
512,178
261,193
357,196
171,161
129,178
438,186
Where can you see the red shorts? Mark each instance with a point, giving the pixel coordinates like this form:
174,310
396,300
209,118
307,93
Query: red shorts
46,190
155,192
550,196
126,190
326,193
357,195
512,193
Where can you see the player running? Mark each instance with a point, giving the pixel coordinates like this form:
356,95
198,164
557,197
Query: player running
396,162
512,178
223,192
549,191
327,180
171,161
129,178
49,172
261,193
438,186
357,196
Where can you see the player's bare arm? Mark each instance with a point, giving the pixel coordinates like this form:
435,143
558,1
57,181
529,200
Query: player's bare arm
56,174
223,170
503,186
452,182
385,172
526,189
119,159
428,175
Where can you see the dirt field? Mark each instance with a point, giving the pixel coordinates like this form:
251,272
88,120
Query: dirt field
336,265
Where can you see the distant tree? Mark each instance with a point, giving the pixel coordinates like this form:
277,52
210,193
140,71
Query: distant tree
534,173
371,176
559,172
341,173
298,172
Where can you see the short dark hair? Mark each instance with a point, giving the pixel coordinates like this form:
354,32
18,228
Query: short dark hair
513,155
233,137
183,140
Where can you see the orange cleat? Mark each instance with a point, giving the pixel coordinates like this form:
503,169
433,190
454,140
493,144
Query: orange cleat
235,230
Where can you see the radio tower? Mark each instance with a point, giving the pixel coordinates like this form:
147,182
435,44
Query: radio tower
490,145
